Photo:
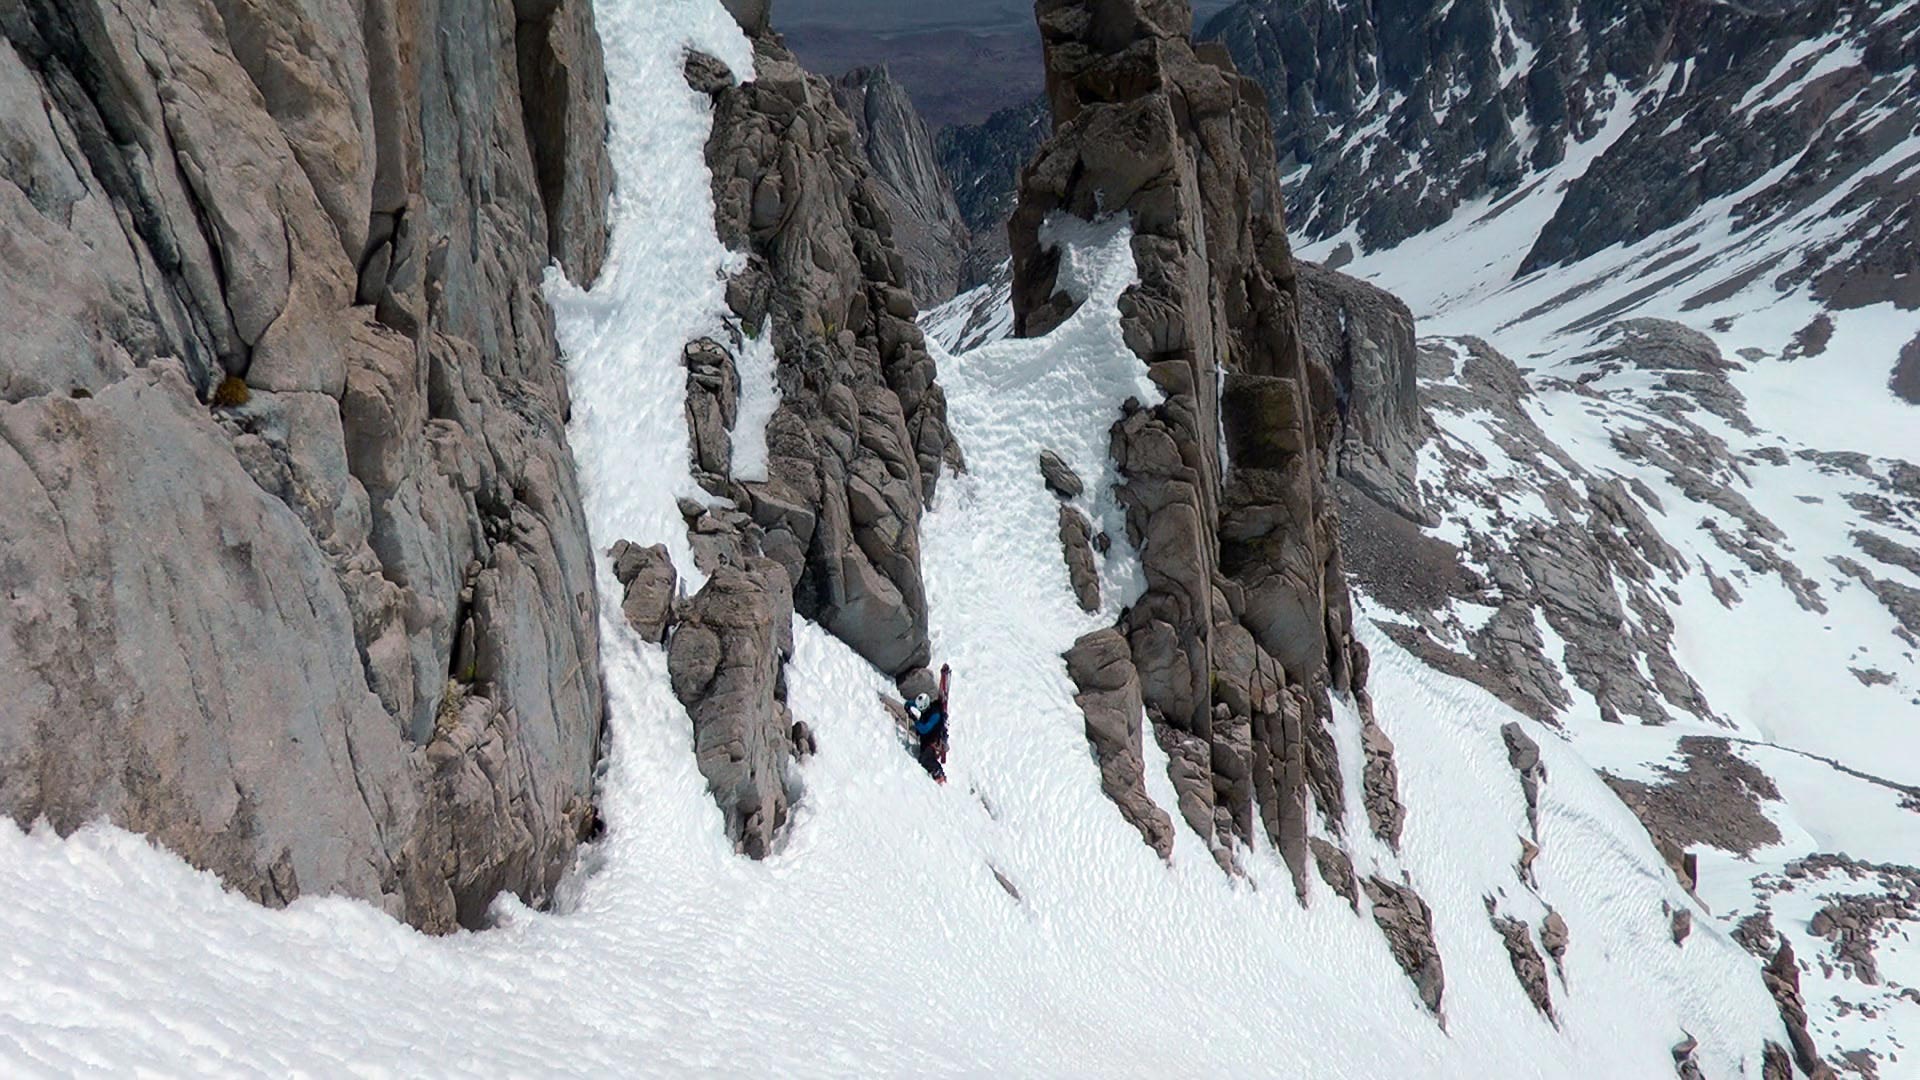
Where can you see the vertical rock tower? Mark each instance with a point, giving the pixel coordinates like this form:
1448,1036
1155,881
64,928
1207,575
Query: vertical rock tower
297,579
1243,632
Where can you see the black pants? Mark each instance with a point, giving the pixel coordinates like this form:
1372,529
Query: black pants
933,753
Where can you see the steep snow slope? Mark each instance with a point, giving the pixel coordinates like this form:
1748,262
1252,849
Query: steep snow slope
1780,474
887,905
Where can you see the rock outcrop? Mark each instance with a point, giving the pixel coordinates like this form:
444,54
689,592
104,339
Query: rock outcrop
1245,600
1407,923
859,437
301,586
1363,335
727,660
1102,669
928,231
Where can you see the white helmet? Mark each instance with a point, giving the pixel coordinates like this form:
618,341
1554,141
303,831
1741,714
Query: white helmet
921,701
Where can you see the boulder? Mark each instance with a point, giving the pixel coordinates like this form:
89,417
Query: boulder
651,587
1076,544
1109,698
1059,476
1407,923
725,661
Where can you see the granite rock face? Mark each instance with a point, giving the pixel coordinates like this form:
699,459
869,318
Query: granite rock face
302,587
727,658
928,231
859,438
1245,599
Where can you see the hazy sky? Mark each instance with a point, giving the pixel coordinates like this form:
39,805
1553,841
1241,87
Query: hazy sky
888,16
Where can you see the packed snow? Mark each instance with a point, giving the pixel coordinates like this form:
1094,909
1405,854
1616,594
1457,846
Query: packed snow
1007,923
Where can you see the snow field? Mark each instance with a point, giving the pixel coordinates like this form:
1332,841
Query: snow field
878,940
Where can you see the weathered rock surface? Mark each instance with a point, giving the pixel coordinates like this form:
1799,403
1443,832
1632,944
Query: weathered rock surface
1060,477
1364,336
1109,696
337,633
859,438
1528,967
651,585
1245,608
928,231
1076,543
726,659
1407,923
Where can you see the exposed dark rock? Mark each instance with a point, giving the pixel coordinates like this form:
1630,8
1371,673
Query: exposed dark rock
725,660
1905,382
1060,477
1329,70
1524,755
378,557
651,584
1382,781
1712,798
1109,696
1682,924
1077,546
1528,966
1782,977
1553,936
1336,869
1408,925
805,744
859,438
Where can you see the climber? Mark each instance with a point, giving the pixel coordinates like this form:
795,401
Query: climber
928,715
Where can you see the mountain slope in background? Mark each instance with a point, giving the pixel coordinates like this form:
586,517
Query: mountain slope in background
730,398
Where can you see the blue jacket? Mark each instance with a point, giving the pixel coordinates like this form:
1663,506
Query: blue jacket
926,722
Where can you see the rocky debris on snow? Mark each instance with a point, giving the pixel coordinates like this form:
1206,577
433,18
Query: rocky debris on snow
859,437
1556,548
1524,755
1782,977
1553,936
1528,966
805,743
1245,596
726,660
651,586
1775,1062
1336,869
1712,797
1901,601
1683,1063
1381,780
1059,476
1682,924
928,231
1407,923
1109,697
1076,543
713,404
283,416
1851,921
1364,336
